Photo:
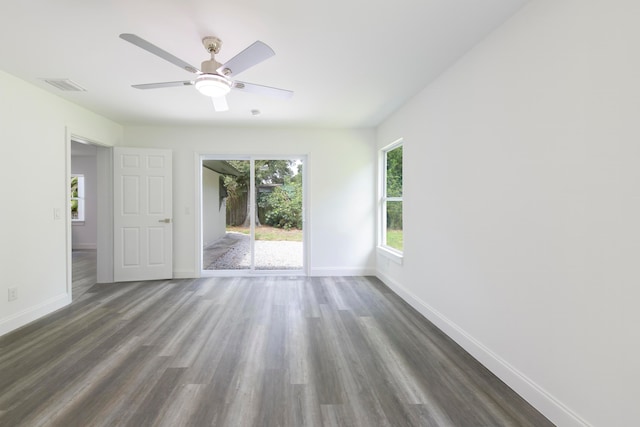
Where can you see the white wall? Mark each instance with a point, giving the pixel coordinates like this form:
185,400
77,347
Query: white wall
522,200
34,133
341,187
214,214
84,234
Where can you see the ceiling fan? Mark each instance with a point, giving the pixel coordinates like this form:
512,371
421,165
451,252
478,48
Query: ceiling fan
215,80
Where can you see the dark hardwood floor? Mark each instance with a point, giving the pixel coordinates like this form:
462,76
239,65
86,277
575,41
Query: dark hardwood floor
263,351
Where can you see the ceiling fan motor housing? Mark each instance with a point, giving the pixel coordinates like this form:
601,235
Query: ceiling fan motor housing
210,66
210,82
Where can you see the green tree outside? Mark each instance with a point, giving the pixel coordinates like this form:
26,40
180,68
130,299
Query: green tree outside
282,207
394,188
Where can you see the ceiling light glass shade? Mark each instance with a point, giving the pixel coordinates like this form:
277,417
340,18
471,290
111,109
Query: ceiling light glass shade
213,85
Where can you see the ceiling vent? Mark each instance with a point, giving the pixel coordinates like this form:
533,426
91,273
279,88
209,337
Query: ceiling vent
65,85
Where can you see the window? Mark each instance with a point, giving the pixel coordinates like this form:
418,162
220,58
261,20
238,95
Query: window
391,202
77,198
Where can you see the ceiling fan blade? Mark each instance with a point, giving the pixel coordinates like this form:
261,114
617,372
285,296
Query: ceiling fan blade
220,104
246,59
143,44
161,85
264,90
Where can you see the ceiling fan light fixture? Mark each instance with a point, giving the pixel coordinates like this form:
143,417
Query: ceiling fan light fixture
213,85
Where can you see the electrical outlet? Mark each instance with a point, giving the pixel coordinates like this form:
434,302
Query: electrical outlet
13,294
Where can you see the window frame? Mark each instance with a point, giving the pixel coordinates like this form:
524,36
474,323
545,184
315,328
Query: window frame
389,251
80,198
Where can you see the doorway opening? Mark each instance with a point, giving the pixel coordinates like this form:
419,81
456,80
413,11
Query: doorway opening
88,214
252,215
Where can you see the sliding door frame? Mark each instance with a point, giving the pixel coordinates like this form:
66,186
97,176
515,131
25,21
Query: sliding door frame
252,271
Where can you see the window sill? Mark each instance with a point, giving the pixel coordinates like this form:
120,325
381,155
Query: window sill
77,222
394,256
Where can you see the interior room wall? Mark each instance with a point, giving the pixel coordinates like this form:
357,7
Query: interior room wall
84,234
214,214
35,235
522,206
341,187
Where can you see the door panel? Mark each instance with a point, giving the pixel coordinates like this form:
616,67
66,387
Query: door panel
131,247
130,191
278,243
143,228
225,215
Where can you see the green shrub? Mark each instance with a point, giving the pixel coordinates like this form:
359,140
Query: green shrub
283,206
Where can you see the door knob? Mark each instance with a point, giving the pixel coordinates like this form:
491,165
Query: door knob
166,220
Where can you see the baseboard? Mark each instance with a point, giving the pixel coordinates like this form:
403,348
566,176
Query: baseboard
341,271
24,317
84,246
315,272
539,398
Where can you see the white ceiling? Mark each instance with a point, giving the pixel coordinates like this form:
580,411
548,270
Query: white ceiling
350,62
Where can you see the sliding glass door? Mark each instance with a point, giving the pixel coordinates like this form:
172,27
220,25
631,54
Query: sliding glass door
225,227
252,215
278,237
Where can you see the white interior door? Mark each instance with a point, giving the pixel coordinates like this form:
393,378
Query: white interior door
143,229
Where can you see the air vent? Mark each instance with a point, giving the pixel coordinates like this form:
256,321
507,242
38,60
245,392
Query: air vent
65,85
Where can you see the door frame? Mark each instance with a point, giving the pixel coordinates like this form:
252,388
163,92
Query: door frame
306,255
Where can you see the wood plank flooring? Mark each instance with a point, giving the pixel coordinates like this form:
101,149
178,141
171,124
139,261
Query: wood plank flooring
83,271
263,351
